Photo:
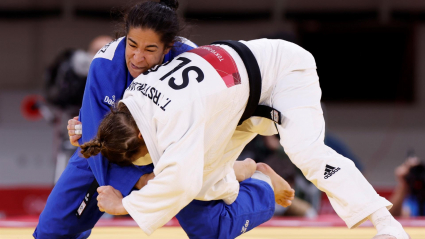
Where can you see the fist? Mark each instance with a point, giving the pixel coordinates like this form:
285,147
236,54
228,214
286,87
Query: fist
109,200
74,130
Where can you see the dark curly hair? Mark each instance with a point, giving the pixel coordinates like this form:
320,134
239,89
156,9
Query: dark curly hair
161,17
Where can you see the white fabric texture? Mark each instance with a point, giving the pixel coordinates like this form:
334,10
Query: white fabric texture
193,142
186,141
385,224
297,96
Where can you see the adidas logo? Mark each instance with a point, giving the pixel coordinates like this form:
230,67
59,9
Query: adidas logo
329,171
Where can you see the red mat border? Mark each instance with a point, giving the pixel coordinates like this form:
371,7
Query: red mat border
321,221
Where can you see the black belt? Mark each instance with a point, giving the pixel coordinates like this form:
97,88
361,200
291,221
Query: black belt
87,198
254,77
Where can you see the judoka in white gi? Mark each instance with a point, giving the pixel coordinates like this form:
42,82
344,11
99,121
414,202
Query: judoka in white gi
187,111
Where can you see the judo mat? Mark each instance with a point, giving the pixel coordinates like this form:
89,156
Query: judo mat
323,227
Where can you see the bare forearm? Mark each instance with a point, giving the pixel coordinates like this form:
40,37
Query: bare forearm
397,199
144,180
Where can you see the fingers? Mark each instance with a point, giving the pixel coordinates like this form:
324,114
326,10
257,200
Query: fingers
99,203
109,199
73,122
75,131
74,128
74,140
104,189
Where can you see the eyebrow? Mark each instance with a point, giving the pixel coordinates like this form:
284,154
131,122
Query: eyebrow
146,46
132,41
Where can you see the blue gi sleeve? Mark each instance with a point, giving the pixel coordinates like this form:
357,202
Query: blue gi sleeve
106,83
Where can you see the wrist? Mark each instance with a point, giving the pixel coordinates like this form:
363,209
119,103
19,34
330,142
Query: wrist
143,180
121,209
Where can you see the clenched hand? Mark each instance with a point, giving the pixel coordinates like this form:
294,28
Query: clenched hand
110,201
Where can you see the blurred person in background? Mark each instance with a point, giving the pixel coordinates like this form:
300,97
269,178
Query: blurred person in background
64,88
408,197
149,38
66,76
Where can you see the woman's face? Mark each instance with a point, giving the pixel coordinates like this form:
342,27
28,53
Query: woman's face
143,50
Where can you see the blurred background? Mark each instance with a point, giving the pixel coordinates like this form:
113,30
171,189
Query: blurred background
370,56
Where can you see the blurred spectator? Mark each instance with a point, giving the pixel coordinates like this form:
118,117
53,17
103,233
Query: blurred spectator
66,77
408,197
64,89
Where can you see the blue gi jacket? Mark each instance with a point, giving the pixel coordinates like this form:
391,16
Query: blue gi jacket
106,83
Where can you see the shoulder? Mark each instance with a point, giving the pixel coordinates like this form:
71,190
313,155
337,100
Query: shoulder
109,50
187,42
183,45
109,61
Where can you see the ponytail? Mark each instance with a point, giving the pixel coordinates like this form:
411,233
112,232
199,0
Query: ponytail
117,138
91,148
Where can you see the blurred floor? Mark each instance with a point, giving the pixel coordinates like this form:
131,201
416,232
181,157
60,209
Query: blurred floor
323,227
257,233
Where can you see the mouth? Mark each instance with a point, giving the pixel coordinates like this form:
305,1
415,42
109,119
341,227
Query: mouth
135,67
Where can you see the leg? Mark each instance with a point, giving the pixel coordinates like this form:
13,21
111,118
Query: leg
302,135
244,169
283,192
387,226
217,220
58,219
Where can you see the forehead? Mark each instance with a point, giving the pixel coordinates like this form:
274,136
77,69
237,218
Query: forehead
142,36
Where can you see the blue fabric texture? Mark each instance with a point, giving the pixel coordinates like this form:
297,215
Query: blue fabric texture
216,220
106,82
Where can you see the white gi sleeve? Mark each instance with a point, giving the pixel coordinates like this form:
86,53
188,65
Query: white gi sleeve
178,173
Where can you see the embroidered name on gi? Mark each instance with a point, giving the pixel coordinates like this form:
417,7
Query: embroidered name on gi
151,92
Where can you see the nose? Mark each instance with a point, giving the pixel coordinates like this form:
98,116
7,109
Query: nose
139,56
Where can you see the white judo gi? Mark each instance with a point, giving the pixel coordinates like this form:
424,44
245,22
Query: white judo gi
187,111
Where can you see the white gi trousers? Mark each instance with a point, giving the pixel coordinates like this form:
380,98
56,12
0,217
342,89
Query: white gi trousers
291,85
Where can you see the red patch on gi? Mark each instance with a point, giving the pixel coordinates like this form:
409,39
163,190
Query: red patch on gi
222,62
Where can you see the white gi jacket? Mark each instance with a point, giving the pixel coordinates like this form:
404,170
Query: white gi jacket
188,110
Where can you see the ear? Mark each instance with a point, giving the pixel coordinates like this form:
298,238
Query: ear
168,48
139,135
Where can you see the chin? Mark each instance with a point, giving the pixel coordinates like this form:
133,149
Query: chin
135,74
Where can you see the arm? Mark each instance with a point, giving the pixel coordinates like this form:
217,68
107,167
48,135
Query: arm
102,83
401,191
397,198
178,173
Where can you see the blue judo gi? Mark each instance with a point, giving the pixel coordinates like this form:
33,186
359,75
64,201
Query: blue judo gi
69,214
106,82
